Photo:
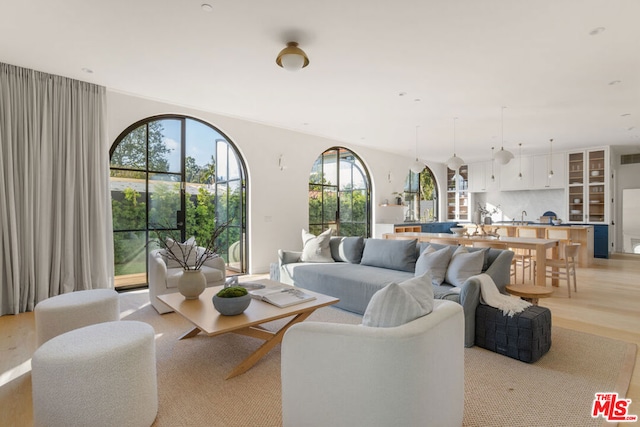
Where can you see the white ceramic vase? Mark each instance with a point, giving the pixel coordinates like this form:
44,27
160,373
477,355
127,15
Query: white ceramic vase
192,283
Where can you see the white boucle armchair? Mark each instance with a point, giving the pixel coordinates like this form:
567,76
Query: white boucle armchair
352,375
164,280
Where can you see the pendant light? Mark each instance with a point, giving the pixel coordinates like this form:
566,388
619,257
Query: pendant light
520,168
503,156
493,177
551,158
417,166
454,161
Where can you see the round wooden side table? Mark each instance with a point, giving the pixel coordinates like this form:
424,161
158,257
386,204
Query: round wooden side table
530,293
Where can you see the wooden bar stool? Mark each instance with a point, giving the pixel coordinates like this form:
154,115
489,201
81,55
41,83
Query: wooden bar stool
565,267
524,257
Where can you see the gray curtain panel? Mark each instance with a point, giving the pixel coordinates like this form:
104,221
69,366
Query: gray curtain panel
55,206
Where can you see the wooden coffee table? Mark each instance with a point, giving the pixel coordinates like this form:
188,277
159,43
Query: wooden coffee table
207,320
530,293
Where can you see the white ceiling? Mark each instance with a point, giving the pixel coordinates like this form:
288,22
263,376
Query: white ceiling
450,58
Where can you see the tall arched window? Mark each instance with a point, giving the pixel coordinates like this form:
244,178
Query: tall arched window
339,194
421,196
174,173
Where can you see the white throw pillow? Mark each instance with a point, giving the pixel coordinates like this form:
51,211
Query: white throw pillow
463,265
397,304
316,249
435,262
180,250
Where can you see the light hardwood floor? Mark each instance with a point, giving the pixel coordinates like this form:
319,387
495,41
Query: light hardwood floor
607,303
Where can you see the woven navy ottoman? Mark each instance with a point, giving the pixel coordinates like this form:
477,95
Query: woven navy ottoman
525,336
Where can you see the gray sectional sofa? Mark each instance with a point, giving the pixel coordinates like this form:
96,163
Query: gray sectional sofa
363,266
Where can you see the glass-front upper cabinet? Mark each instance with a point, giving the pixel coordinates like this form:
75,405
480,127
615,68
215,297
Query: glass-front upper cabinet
458,203
588,186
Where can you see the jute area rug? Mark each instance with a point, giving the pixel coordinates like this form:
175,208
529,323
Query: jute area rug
557,390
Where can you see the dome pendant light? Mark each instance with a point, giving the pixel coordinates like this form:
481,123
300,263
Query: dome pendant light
493,176
417,166
503,156
454,161
292,58
551,158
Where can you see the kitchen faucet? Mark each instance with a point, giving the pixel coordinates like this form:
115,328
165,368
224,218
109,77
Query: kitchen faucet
522,218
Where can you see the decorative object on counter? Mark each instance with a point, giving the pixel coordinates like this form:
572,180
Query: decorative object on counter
458,231
482,217
556,221
398,197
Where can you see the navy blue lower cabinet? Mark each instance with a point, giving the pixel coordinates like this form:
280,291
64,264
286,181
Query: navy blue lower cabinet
601,241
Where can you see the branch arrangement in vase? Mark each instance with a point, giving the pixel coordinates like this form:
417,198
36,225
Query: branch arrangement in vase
189,255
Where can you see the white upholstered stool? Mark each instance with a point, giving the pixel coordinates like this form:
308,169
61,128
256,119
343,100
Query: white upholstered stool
64,312
98,375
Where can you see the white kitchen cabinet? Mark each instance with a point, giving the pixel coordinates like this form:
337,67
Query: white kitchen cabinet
509,174
541,167
588,186
480,180
458,195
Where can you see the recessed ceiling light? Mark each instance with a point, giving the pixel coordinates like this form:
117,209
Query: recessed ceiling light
625,114
417,100
206,7
402,93
87,70
596,31
631,128
615,82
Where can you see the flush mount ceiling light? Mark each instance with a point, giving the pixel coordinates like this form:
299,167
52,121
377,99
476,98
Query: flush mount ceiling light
503,156
454,161
292,58
417,166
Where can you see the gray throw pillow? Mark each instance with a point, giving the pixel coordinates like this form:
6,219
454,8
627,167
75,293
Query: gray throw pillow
463,265
435,262
391,254
346,249
316,249
397,304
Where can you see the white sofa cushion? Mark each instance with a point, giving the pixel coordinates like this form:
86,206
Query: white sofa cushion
188,248
463,265
316,249
397,304
435,262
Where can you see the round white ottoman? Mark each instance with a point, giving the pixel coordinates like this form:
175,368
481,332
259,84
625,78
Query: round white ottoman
99,375
65,312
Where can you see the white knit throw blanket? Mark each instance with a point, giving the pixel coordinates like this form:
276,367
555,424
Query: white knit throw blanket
490,295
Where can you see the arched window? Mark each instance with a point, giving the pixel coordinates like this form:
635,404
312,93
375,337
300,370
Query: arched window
174,173
421,196
339,194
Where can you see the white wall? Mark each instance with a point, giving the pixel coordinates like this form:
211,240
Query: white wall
626,176
277,200
534,202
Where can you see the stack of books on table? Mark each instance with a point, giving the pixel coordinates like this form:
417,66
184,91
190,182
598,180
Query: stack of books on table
281,296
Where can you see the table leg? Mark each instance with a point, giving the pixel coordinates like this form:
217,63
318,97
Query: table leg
190,334
270,342
541,266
